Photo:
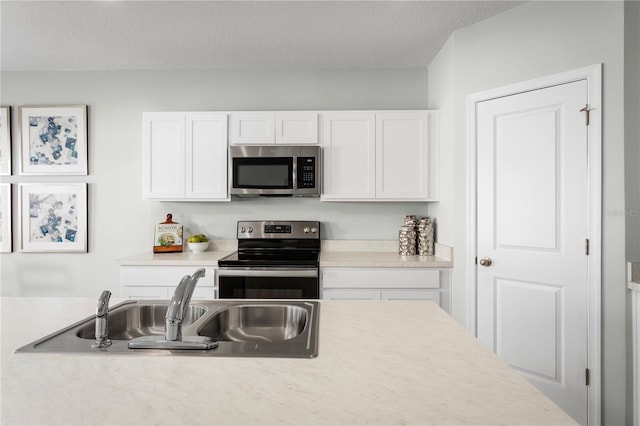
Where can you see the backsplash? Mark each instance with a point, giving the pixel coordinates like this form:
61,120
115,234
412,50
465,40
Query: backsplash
339,220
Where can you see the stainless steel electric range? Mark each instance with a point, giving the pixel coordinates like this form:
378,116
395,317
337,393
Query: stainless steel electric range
275,260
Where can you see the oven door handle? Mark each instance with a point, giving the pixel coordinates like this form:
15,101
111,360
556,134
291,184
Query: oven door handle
267,272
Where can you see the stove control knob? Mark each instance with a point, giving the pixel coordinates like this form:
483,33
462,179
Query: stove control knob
249,229
243,229
314,230
306,229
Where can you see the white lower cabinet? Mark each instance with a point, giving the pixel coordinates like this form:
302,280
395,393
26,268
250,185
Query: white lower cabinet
388,284
160,282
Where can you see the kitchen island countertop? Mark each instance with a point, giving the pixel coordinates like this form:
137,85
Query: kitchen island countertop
379,362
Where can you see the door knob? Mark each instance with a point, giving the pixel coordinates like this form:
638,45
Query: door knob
485,261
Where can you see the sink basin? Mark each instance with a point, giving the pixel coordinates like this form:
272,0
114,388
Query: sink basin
256,323
131,321
287,329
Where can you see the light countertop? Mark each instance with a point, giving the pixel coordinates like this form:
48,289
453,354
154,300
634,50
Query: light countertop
379,362
333,254
185,258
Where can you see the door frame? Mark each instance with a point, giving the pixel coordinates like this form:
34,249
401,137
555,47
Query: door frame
593,75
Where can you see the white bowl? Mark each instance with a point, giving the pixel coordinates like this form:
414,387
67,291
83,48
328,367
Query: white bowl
198,247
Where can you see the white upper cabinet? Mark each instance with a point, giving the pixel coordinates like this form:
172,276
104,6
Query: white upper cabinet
252,128
348,155
379,156
284,127
185,156
206,176
297,127
402,155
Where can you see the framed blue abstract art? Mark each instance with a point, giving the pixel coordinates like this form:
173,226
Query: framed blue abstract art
53,140
53,217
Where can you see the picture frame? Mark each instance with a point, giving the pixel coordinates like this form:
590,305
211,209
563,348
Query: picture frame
53,140
5,140
53,217
6,237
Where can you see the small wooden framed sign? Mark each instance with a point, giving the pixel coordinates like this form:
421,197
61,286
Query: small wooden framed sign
168,236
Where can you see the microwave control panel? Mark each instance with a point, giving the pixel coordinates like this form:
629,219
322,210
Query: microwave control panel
306,172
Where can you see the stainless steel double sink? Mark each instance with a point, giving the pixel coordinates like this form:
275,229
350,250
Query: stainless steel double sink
285,329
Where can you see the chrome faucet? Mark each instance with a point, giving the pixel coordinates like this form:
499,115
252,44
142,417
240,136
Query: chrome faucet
102,321
176,313
179,305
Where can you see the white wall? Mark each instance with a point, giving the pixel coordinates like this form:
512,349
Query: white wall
121,223
632,128
530,41
632,179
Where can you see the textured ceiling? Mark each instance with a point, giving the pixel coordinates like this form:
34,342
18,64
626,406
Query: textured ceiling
200,35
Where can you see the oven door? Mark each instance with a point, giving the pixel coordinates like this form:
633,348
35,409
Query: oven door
268,283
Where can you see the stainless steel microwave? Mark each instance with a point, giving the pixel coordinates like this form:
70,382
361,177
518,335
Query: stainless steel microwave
275,170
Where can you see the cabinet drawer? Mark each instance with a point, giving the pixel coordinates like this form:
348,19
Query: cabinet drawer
159,276
163,293
145,293
433,295
349,294
380,278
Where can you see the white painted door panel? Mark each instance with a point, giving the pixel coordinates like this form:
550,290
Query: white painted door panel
297,127
253,128
402,155
163,139
532,224
206,155
348,155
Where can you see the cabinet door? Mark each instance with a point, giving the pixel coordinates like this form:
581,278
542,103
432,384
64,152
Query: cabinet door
163,164
206,156
253,128
297,127
348,145
402,155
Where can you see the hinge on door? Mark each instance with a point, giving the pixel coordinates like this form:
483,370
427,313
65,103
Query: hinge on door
586,247
586,111
587,377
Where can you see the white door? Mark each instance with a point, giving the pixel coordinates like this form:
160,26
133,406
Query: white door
532,225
